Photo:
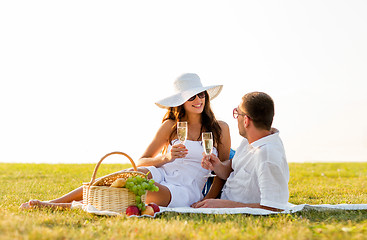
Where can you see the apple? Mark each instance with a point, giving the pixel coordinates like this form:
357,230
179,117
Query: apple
155,207
132,210
148,211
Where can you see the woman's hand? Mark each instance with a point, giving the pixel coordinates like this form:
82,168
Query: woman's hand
177,151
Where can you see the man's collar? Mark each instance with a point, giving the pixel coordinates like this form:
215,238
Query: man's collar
267,139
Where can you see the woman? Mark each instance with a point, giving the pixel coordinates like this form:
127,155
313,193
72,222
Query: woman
177,171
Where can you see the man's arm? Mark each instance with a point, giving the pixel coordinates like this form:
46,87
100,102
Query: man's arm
222,203
221,169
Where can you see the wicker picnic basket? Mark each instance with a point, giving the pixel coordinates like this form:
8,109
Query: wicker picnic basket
98,192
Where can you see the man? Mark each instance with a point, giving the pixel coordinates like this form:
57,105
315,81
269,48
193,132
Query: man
258,175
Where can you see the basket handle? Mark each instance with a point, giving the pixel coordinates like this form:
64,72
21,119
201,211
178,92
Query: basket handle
105,156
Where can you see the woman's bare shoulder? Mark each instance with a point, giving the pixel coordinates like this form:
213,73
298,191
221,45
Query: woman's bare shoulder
223,125
225,130
167,126
168,123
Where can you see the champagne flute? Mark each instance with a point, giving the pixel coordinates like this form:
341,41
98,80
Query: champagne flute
182,131
207,138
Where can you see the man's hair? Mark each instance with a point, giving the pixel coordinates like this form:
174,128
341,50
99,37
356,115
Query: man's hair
259,107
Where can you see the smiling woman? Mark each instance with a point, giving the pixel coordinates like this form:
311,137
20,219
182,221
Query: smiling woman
175,167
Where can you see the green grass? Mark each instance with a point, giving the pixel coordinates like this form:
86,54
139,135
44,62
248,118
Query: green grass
311,183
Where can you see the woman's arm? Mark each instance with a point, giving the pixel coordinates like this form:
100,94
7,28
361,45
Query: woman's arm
215,188
150,158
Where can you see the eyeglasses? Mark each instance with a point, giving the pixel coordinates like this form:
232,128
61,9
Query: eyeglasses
200,95
236,114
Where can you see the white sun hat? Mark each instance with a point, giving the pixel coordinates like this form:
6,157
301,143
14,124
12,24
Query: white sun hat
186,86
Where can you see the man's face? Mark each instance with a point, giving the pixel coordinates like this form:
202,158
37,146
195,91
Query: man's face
241,121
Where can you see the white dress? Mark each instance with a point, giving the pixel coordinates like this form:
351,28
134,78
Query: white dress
184,177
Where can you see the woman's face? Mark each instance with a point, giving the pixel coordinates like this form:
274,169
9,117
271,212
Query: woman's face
196,105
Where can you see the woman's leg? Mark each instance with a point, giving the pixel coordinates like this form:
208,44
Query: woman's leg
75,195
42,204
162,197
62,202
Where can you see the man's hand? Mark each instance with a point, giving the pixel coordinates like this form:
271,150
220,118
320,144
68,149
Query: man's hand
210,203
210,162
213,163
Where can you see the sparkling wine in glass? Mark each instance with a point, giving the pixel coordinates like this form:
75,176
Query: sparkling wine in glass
207,138
182,131
207,142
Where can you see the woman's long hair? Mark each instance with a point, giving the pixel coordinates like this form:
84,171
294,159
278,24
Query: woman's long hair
208,122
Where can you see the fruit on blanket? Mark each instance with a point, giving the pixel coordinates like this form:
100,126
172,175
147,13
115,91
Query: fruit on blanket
141,206
120,182
148,211
155,207
139,186
132,210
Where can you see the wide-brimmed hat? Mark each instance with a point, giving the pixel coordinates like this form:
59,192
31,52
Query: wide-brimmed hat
186,86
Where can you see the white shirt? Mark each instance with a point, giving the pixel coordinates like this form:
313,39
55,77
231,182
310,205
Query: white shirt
260,173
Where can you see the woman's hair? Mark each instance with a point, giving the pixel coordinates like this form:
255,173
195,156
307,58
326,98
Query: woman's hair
208,121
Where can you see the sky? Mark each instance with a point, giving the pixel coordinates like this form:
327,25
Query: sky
79,79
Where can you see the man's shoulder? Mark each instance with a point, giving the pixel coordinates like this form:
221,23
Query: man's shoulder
272,152
242,145
272,143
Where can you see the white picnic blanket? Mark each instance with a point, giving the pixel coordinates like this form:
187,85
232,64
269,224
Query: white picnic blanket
291,208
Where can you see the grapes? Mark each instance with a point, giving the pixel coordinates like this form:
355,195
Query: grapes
129,180
139,205
141,192
139,185
139,179
134,189
129,184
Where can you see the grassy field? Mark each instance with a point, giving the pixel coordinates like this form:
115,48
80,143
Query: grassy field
311,183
